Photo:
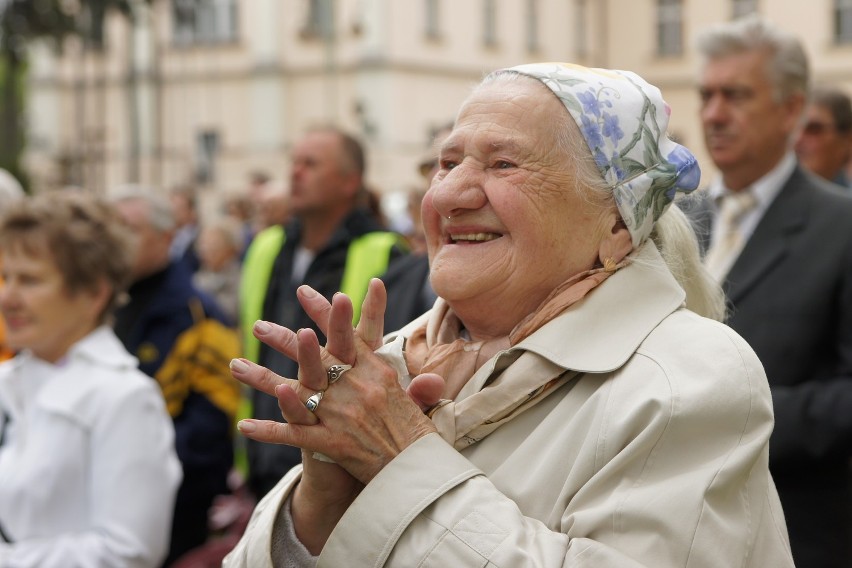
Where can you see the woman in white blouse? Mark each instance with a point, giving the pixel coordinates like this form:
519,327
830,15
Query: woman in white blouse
88,472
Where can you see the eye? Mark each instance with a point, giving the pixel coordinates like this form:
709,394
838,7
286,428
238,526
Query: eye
503,165
447,164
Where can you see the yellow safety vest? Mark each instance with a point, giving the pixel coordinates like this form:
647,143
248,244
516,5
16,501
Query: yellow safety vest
367,258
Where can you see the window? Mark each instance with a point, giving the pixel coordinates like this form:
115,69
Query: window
433,30
581,17
320,19
669,27
532,25
204,21
843,21
206,149
489,19
740,8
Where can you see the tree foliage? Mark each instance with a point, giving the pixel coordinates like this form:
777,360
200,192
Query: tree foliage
23,21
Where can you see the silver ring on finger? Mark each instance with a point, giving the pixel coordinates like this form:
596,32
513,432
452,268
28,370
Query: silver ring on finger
313,401
335,372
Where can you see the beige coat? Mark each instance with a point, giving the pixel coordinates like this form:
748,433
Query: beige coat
656,457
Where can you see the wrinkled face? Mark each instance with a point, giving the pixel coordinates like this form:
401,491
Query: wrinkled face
40,313
746,128
151,247
318,179
821,148
504,222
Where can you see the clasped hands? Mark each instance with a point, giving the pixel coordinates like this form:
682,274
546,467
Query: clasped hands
366,418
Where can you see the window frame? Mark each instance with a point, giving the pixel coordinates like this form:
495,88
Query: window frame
670,24
205,22
842,12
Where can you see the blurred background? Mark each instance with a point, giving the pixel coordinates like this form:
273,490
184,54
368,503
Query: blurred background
95,93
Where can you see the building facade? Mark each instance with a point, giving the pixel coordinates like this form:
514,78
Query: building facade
205,91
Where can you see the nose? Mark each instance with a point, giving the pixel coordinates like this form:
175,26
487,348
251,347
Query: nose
458,190
714,109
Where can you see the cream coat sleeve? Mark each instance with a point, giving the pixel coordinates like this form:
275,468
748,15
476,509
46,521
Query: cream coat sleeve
671,471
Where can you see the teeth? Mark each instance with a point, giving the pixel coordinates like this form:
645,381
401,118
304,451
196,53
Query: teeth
475,237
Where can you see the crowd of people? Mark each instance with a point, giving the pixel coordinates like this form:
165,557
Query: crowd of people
583,353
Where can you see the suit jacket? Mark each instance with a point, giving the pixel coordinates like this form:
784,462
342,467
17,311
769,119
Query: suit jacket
790,296
655,456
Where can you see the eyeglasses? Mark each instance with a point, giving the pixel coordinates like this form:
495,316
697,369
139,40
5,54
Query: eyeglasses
814,128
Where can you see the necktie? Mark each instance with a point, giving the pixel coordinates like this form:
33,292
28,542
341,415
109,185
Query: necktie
730,241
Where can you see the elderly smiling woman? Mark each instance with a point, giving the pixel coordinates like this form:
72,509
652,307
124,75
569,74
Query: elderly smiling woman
578,409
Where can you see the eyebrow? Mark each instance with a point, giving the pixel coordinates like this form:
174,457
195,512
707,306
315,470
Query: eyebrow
510,145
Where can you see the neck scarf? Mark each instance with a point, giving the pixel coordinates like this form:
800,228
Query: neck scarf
440,347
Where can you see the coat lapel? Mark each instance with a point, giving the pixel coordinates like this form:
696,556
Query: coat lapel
771,240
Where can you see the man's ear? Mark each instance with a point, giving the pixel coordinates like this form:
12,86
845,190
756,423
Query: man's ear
795,107
353,184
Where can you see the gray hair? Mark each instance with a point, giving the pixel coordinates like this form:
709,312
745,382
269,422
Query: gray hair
787,68
161,216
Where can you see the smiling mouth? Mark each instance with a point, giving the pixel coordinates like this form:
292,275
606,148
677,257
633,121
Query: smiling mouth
474,237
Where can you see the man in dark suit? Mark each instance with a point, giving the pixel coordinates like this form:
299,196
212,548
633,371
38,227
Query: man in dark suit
786,267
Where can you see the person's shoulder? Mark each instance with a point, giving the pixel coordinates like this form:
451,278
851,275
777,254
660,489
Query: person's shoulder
92,387
821,192
704,357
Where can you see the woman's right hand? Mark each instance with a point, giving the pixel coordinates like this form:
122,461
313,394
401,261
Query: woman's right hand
325,489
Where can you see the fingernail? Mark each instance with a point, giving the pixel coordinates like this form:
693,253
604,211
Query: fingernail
307,291
262,327
246,426
239,366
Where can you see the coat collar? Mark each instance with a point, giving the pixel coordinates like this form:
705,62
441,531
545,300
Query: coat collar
76,375
103,347
602,331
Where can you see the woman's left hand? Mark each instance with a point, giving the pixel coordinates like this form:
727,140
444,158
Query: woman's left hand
365,419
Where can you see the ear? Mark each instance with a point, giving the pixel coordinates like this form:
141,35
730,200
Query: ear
352,184
100,294
616,242
795,105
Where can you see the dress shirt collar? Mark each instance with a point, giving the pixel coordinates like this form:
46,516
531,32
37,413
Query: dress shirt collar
764,189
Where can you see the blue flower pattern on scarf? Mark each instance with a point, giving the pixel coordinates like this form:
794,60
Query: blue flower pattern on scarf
623,120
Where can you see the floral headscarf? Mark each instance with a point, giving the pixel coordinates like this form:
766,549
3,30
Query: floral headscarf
623,120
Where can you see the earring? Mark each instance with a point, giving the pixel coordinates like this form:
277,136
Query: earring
609,264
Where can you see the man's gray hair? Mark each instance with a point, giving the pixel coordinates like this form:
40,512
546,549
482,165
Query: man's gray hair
161,214
787,67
